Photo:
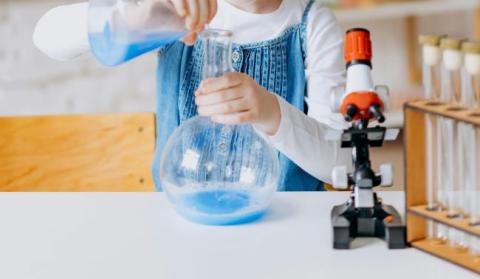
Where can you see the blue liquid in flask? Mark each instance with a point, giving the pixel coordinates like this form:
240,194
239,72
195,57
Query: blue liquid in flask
112,51
219,207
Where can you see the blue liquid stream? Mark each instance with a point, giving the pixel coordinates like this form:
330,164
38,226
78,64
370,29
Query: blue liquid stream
112,51
218,207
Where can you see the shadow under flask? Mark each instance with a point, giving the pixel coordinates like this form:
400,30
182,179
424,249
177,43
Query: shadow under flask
218,174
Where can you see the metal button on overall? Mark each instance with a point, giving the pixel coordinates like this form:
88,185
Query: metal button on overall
235,56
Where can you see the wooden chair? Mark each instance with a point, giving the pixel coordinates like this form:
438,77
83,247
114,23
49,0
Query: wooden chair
88,153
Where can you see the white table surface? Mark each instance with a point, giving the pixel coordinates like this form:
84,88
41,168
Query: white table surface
138,235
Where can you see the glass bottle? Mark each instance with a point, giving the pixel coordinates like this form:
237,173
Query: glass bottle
120,30
218,174
432,57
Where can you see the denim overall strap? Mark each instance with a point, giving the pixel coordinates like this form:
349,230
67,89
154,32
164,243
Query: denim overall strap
293,178
170,69
277,65
303,28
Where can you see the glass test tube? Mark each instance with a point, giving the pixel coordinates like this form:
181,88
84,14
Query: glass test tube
452,180
475,246
472,87
451,93
432,57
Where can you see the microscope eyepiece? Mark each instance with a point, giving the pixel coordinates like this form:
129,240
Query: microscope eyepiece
376,111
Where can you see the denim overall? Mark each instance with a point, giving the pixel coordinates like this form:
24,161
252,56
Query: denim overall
277,65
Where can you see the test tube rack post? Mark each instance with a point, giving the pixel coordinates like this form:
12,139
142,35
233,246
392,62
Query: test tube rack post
417,213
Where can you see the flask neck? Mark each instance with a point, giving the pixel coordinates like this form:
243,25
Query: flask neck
217,46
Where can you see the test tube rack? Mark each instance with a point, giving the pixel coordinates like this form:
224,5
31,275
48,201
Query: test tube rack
417,213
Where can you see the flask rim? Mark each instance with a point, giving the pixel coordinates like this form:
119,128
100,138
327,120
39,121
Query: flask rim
215,33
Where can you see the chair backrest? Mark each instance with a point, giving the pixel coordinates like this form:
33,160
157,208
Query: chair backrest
88,153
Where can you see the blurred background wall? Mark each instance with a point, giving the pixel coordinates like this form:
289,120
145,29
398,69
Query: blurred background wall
31,83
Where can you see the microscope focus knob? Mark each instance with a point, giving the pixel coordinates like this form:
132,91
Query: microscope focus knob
386,173
340,178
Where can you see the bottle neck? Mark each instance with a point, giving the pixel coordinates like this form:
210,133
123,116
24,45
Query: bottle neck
217,46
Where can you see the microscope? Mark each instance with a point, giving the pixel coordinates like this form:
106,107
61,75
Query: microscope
361,103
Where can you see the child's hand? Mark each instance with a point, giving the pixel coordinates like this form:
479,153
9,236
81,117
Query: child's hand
197,14
236,98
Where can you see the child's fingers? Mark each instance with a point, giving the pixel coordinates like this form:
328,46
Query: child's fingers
212,10
190,38
217,84
193,14
233,119
180,7
234,106
203,13
218,97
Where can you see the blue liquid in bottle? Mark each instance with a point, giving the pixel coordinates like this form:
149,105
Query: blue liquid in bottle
219,207
112,51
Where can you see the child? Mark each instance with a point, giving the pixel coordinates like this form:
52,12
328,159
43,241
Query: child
287,54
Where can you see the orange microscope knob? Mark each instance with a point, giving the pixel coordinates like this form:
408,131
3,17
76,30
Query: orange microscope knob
362,101
358,46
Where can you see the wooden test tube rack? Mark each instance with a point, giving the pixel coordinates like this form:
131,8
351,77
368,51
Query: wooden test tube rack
417,214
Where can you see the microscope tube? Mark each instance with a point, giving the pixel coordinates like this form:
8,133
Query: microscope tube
432,56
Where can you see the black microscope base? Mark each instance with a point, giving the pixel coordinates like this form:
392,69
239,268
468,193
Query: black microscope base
382,221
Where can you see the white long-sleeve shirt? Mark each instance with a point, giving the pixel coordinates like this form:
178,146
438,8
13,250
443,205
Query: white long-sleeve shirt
62,34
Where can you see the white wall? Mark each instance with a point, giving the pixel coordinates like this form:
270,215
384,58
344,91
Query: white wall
390,54
31,83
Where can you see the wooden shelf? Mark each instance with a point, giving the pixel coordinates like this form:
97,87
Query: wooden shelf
415,179
441,217
454,255
447,110
405,9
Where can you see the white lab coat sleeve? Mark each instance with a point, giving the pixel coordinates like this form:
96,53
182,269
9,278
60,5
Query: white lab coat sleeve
61,33
301,137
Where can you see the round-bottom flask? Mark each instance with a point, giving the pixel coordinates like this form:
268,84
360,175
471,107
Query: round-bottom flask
218,174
